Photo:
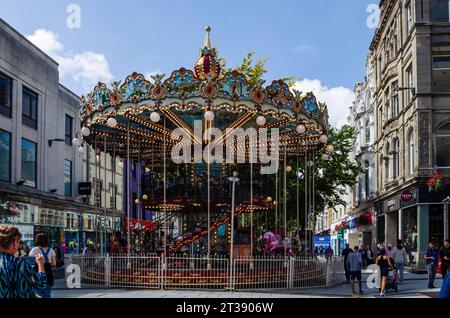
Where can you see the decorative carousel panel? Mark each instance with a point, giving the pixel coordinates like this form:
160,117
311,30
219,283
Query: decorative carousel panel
136,88
99,98
234,86
310,106
279,94
182,84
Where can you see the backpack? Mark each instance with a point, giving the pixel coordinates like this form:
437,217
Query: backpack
47,266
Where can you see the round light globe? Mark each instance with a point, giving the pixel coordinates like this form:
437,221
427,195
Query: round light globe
85,131
155,117
301,129
112,122
81,150
330,148
209,116
325,157
261,120
323,139
288,168
76,141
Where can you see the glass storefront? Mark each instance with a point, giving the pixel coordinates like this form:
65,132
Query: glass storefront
381,234
437,224
409,230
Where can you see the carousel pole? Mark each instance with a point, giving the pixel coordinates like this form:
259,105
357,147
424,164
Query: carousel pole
284,202
209,203
251,206
298,198
306,200
165,196
104,190
96,194
128,196
277,203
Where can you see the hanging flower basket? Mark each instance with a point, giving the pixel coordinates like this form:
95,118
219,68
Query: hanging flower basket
436,182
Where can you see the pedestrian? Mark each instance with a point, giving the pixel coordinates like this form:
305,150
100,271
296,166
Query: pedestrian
329,253
444,254
316,251
346,252
431,258
389,250
59,255
363,253
399,256
354,264
384,262
321,249
49,254
17,277
370,256
20,251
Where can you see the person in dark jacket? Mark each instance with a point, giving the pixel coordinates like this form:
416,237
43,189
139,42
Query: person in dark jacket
444,254
445,288
346,252
431,259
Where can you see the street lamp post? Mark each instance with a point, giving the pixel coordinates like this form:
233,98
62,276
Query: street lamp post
233,179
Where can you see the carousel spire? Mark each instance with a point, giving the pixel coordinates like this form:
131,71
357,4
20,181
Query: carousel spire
207,42
207,65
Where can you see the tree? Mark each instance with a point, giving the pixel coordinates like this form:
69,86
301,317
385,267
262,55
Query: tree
331,178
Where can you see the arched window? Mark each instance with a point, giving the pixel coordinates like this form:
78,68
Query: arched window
410,151
386,162
396,158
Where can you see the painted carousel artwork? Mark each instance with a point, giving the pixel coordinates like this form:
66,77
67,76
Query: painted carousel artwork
208,211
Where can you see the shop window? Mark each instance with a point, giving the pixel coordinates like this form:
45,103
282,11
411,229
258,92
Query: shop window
5,155
436,224
409,230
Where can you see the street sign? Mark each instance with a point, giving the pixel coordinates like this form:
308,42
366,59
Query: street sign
406,196
84,188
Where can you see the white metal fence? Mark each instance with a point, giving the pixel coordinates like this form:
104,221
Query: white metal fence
199,272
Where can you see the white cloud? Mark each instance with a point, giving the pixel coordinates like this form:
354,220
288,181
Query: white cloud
303,48
338,99
87,68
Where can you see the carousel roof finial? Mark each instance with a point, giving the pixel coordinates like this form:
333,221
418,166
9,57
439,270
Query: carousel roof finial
207,42
207,64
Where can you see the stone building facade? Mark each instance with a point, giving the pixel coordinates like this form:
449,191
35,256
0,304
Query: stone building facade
411,53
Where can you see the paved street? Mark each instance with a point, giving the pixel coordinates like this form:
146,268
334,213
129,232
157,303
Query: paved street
414,286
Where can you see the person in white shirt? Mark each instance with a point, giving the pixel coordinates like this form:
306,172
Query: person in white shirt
49,260
399,255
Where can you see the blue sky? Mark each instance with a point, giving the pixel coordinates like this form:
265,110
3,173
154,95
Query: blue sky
324,42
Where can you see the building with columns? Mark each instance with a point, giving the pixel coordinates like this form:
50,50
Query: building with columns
411,54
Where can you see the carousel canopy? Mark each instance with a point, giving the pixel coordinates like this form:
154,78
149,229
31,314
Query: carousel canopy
138,115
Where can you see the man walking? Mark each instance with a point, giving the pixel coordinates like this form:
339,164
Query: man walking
346,252
431,258
444,254
354,264
399,256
